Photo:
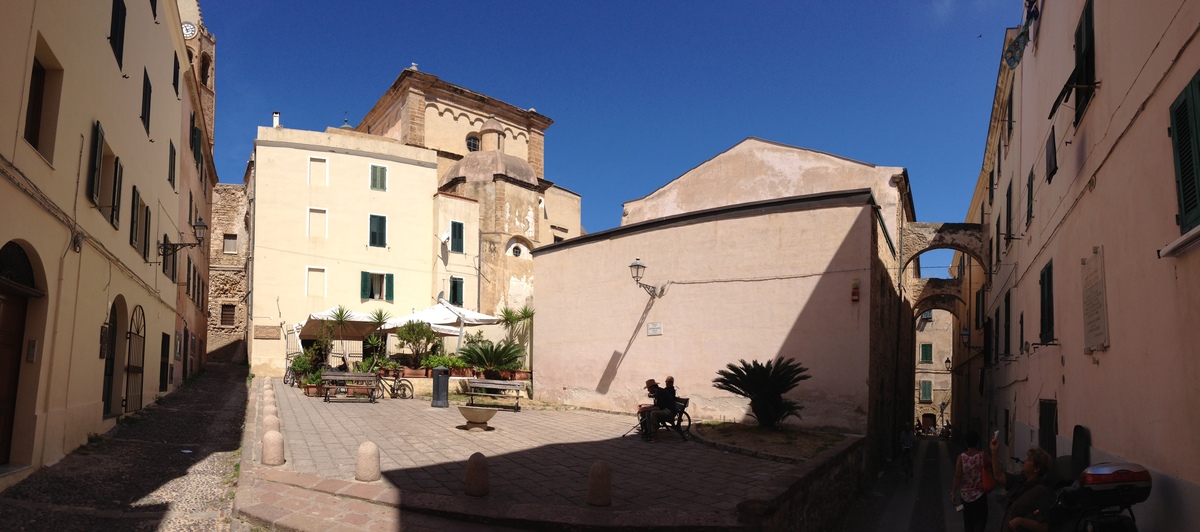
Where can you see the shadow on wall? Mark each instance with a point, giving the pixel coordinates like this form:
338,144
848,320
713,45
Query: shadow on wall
614,363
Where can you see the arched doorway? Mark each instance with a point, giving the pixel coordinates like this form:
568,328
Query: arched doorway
112,350
134,368
17,285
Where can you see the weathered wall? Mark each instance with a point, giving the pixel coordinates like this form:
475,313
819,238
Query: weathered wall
821,492
939,333
227,271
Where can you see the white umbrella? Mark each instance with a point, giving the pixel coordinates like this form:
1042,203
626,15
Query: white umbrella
443,317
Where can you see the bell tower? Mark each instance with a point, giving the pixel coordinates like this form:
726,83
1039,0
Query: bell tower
202,55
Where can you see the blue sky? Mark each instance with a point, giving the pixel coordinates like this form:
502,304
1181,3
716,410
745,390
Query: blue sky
641,92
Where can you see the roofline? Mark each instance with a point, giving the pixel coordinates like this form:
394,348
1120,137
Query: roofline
823,200
431,83
739,143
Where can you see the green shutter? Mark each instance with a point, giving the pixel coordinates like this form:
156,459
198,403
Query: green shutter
97,167
389,280
1085,61
1051,156
171,165
365,291
1187,156
1047,306
146,235
1029,200
133,219
926,390
927,353
456,237
114,213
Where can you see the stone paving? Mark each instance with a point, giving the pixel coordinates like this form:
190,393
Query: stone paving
538,460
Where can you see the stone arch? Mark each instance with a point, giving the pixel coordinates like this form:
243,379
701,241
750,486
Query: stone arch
205,69
113,345
934,293
519,242
919,237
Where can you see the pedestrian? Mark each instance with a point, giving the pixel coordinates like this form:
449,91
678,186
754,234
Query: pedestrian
968,485
1029,494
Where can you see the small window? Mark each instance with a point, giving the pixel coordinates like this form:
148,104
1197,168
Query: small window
317,172
104,178
1051,156
190,276
926,391
927,315
1084,80
228,312
175,75
134,213
378,177
146,92
472,143
318,226
558,239
171,164
456,237
377,236
456,291
377,286
230,244
41,111
1046,283
926,353
116,31
168,262
315,282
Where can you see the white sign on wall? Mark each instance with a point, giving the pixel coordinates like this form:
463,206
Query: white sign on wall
1095,308
654,328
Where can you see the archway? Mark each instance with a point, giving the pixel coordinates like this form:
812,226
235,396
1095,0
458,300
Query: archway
919,237
112,350
17,285
134,369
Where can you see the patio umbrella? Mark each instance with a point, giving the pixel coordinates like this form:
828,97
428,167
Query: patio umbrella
443,317
357,327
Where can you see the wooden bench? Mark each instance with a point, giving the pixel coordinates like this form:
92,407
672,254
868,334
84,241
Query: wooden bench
481,387
355,385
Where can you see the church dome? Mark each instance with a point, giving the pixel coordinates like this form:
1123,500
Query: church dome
484,166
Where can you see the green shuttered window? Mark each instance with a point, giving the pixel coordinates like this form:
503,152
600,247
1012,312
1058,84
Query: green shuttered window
456,237
1184,124
926,391
378,231
1047,304
926,353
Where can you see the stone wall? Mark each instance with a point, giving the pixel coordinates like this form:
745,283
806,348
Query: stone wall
812,495
227,271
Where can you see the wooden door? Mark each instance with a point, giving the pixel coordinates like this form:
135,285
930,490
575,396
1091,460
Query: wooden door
12,332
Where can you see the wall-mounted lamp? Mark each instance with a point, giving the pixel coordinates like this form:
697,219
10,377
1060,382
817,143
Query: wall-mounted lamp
199,230
637,270
949,364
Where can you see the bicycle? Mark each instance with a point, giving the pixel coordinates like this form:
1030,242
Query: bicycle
289,376
397,388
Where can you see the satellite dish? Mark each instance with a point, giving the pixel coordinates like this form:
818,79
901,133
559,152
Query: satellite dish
446,236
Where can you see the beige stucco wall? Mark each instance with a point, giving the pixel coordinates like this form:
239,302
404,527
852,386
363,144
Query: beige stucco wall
591,344
757,169
59,391
450,208
284,249
939,333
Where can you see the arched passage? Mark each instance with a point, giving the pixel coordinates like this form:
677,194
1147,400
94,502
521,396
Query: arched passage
18,284
112,350
919,237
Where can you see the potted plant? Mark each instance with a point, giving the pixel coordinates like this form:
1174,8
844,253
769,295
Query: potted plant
312,385
418,338
302,365
491,357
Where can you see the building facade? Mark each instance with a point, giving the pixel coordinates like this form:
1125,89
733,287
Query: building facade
798,261
1081,316
229,271
932,394
95,115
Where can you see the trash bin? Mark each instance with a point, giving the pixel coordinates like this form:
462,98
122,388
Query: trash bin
441,387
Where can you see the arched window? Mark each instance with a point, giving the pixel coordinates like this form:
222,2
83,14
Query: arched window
205,67
472,143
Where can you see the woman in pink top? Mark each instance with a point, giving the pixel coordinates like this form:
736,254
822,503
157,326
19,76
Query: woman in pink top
968,485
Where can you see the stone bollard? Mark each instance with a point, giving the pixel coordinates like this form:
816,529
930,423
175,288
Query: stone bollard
268,394
600,485
270,401
270,423
366,466
268,386
477,475
272,448
270,411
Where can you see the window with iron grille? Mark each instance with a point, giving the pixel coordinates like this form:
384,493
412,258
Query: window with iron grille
228,312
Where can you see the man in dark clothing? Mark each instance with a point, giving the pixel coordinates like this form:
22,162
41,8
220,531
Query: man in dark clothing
662,409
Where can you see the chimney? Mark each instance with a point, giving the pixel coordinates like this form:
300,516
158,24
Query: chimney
275,119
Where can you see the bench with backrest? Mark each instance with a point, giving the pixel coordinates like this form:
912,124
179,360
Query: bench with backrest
353,385
681,422
496,390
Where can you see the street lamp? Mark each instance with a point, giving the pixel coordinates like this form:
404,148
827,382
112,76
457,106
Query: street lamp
199,230
637,270
949,364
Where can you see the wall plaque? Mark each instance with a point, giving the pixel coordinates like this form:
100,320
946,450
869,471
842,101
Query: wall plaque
654,328
1095,306
266,332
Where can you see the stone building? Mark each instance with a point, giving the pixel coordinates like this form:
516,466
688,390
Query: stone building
439,193
1082,316
106,164
229,269
935,347
798,260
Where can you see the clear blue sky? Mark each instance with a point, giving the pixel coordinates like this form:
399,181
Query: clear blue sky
641,92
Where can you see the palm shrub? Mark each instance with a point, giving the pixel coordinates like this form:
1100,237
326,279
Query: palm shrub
418,337
493,357
764,385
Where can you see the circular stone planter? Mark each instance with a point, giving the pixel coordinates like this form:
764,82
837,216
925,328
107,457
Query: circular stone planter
477,417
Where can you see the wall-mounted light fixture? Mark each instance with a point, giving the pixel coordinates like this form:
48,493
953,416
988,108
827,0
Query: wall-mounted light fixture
949,364
199,230
637,270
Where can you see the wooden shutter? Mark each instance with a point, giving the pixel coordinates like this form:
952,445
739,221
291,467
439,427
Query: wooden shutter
171,165
456,237
1187,156
1051,156
389,281
926,352
97,166
1047,304
114,213
146,235
1029,200
116,30
133,218
147,90
1085,61
175,75
1008,228
926,390
364,291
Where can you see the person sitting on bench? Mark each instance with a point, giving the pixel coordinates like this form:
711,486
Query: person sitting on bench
663,408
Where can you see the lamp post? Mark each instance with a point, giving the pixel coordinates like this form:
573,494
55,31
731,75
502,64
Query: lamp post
199,230
637,270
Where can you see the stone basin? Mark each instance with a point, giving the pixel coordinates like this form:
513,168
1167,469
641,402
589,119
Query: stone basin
477,417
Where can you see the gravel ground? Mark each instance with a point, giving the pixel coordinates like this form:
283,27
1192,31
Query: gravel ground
171,466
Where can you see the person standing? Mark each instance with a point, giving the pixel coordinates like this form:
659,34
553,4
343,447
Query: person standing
1029,494
968,485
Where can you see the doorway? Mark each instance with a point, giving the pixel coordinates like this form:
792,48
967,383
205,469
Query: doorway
134,367
12,332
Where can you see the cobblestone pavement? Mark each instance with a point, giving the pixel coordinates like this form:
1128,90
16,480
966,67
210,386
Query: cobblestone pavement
170,466
538,465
